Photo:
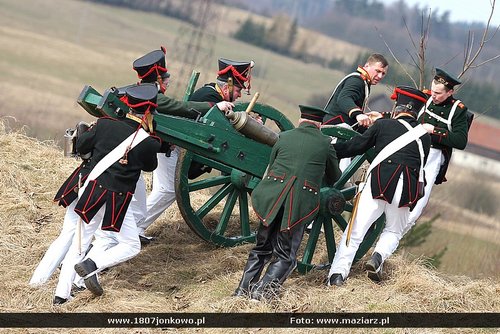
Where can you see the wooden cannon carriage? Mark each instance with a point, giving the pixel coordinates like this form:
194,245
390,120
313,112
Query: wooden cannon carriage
238,163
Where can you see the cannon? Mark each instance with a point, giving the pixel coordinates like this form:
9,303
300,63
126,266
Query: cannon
238,163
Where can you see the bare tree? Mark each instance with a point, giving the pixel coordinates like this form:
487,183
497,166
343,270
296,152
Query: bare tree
470,57
418,54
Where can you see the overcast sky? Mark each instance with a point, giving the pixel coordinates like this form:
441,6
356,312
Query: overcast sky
460,10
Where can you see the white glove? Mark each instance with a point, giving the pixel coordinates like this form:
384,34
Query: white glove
225,106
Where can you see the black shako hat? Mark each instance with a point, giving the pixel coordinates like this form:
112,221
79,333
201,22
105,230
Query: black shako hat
311,113
408,99
445,79
240,72
152,64
141,97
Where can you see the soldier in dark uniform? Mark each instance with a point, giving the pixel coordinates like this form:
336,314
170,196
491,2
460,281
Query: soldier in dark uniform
163,193
347,106
152,68
238,72
121,149
446,119
393,185
286,200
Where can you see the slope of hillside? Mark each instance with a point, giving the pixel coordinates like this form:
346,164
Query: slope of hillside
50,51
181,273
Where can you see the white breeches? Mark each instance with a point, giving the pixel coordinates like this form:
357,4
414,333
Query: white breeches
369,210
127,246
163,192
431,168
57,249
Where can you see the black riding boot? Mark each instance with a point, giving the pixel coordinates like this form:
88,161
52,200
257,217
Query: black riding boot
278,271
257,259
251,273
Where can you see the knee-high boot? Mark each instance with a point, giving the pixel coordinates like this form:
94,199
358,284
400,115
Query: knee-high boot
252,271
278,271
257,259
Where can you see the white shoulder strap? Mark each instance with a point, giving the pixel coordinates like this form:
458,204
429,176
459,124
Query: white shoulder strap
113,157
420,150
441,119
452,113
353,74
427,104
397,144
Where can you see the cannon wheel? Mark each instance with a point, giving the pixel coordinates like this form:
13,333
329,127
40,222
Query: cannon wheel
224,218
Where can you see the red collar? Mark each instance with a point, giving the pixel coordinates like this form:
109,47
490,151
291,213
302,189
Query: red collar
364,74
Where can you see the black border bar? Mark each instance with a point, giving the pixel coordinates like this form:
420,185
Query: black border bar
249,320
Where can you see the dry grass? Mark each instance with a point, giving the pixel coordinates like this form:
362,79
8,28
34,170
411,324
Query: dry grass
472,239
181,273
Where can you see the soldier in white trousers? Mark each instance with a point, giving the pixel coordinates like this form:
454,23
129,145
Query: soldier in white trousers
393,185
103,239
108,191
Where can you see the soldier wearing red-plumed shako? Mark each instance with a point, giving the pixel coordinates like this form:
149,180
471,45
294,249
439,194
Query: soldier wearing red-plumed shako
121,149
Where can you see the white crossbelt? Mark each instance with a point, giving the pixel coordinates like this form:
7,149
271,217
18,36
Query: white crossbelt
114,156
397,144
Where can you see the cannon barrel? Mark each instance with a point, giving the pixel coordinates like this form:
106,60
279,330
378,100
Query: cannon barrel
251,128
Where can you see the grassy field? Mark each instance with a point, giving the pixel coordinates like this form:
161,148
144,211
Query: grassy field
50,51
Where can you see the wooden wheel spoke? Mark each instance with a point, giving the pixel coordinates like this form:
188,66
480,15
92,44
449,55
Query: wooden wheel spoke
214,200
340,221
226,213
210,182
244,215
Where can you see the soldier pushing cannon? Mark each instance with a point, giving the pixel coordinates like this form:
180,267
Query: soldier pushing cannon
237,148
